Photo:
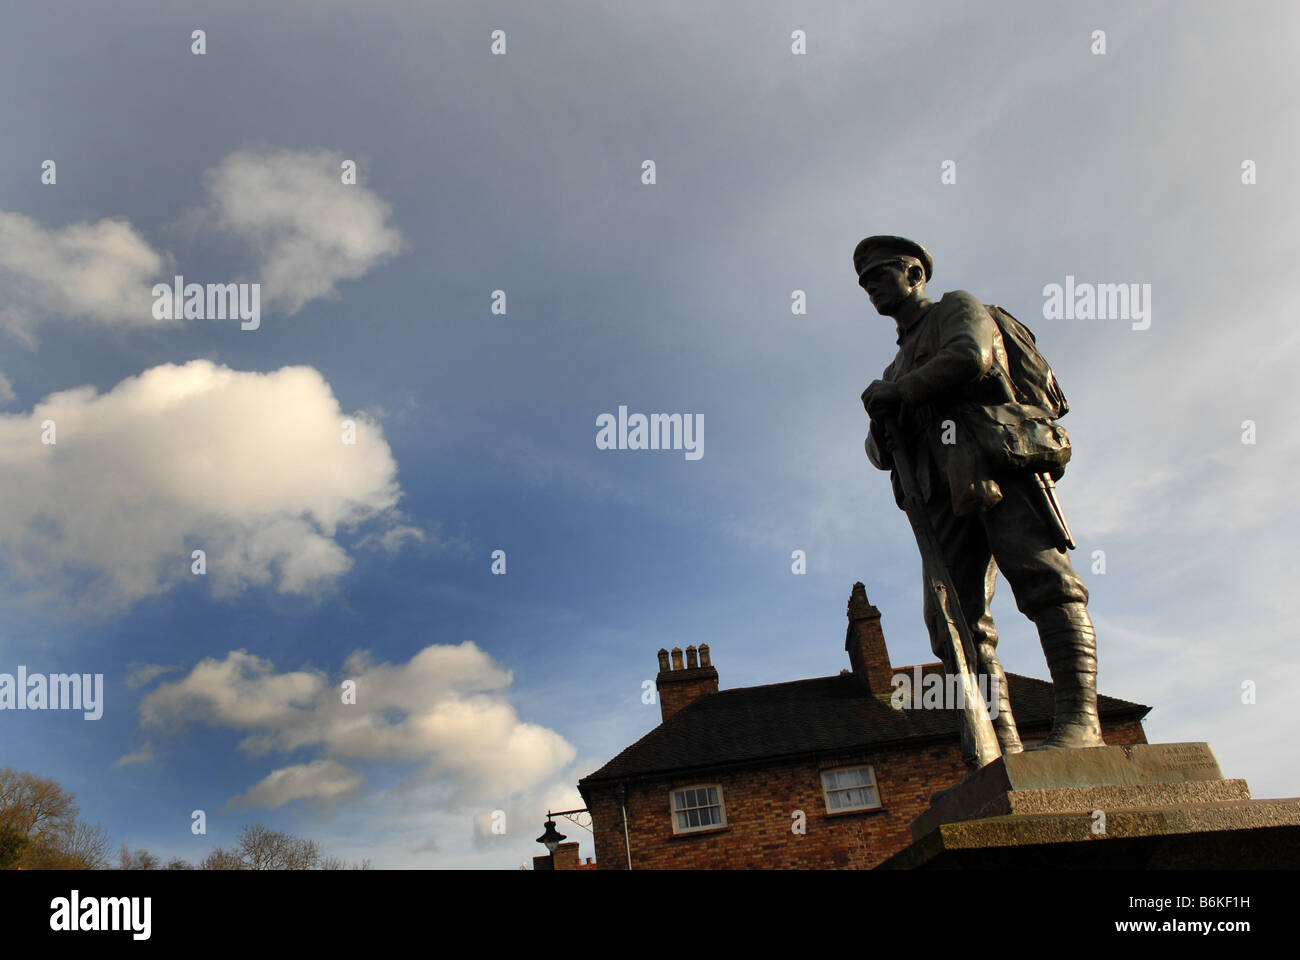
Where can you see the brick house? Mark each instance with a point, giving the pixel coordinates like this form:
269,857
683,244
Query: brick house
729,776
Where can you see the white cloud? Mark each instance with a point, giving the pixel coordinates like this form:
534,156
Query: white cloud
414,826
249,467
324,781
309,229
242,691
143,674
141,756
102,272
443,714
395,537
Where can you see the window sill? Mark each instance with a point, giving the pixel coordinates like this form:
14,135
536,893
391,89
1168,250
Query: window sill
852,813
714,831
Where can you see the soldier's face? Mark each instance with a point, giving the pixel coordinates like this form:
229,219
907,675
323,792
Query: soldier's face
887,286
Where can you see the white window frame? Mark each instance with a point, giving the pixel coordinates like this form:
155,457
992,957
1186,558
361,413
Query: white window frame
874,786
675,810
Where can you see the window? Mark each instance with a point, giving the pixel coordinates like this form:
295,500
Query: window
697,808
850,788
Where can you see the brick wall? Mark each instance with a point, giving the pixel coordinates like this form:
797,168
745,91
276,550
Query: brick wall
760,801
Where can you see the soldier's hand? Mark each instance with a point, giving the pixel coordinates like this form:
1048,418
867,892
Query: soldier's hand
882,399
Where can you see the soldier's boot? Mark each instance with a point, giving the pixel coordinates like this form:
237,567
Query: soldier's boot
1004,724
1071,647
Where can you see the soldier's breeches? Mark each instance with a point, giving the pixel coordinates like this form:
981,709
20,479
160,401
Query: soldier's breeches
1012,537
1024,546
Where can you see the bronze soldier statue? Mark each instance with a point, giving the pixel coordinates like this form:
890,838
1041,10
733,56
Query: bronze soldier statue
985,451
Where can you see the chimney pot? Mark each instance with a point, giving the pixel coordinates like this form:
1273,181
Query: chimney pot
681,686
663,659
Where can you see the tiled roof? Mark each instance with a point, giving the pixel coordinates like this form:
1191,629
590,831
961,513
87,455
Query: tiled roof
802,717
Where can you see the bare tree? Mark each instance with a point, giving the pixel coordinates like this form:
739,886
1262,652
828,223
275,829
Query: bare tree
338,863
178,863
87,845
261,848
220,859
137,860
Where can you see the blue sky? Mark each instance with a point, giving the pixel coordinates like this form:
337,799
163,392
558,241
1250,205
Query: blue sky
476,432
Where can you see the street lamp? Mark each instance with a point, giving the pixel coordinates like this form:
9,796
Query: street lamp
551,838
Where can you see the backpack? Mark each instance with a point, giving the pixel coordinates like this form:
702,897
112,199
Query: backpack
1032,378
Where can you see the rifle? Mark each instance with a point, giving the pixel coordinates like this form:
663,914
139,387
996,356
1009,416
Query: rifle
979,742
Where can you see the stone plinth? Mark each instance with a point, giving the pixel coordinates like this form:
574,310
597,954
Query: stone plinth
1144,806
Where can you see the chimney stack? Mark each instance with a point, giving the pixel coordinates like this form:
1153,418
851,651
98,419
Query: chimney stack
865,643
565,858
682,685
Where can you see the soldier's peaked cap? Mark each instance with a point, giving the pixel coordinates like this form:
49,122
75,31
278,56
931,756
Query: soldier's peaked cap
877,250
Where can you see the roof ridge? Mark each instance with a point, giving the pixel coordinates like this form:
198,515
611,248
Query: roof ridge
838,676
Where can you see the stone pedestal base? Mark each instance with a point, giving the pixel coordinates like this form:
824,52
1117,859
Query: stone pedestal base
1148,806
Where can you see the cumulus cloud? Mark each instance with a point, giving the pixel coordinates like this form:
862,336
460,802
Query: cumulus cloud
143,674
248,467
242,691
324,781
310,230
102,272
307,229
443,714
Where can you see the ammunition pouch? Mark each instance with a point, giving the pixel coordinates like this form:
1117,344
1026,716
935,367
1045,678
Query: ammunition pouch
1017,437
